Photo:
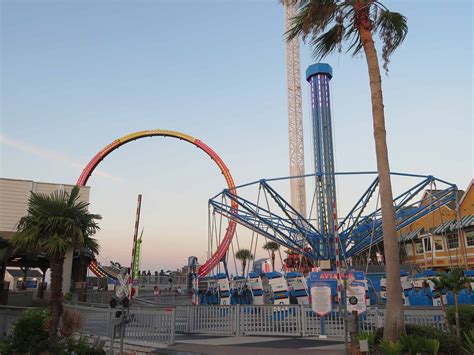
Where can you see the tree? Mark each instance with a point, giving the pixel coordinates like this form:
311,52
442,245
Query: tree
440,283
243,255
272,247
328,24
455,281
54,224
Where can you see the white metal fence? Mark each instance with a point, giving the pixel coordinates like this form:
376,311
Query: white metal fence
8,316
159,324
287,320
154,325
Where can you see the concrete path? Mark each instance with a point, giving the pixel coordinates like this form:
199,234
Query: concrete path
203,344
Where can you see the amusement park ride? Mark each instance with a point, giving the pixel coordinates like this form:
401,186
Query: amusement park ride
326,239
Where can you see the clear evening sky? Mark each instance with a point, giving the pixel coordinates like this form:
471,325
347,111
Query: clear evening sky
76,75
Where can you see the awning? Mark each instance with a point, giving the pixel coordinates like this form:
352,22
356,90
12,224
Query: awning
453,224
409,236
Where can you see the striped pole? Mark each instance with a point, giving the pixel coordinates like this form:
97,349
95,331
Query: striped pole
135,236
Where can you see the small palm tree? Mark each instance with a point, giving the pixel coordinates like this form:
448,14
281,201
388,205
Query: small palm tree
272,247
455,282
440,284
243,255
329,24
54,224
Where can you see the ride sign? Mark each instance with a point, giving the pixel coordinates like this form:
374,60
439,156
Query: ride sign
321,299
356,298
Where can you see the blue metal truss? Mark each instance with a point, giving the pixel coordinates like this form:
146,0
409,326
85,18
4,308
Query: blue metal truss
357,231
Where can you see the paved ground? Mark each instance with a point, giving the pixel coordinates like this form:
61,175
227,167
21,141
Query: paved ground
204,344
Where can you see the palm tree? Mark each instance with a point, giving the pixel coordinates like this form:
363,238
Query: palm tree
243,255
440,283
54,224
272,247
330,23
455,281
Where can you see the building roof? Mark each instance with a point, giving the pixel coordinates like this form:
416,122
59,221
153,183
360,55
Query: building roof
453,224
438,193
409,236
19,273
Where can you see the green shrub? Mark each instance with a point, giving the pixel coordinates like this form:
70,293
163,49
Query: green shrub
67,346
391,348
448,343
29,333
432,346
466,317
370,339
469,342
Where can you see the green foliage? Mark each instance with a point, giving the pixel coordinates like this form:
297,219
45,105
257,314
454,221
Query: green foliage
391,348
271,246
455,280
448,343
244,254
466,316
54,223
469,342
29,334
330,23
68,296
370,337
415,344
79,346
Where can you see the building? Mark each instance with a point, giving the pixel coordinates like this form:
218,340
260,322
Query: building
17,281
14,196
443,238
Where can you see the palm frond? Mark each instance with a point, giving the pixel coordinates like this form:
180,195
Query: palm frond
313,17
392,28
327,42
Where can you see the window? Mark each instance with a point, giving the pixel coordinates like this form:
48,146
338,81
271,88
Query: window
419,247
427,244
438,243
453,241
409,249
470,238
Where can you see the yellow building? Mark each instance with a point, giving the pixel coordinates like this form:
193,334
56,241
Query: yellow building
443,238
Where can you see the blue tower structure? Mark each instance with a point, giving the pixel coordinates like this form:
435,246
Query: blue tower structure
318,75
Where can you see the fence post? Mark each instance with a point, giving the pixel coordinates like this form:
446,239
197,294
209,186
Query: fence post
109,322
302,320
188,319
173,325
237,319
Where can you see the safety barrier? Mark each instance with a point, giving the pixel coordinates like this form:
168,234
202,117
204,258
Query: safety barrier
153,325
8,316
287,320
159,324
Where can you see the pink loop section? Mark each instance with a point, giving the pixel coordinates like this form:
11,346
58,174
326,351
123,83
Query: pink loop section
217,256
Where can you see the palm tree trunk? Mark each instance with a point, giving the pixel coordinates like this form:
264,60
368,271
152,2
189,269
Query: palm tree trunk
456,315
244,264
394,321
273,260
56,302
443,309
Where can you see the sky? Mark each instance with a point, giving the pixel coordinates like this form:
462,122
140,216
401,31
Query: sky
75,75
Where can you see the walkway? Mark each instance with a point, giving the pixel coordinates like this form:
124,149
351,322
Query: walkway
205,344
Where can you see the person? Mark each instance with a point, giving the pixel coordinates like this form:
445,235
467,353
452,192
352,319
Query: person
148,273
156,291
179,291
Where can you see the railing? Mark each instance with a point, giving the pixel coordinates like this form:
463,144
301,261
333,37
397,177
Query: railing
159,324
8,316
155,325
287,320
